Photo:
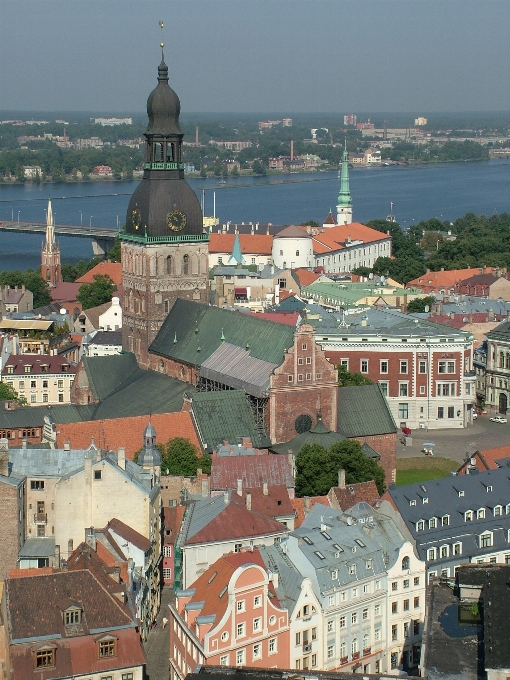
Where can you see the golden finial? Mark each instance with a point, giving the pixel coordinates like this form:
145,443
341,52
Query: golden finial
161,44
161,24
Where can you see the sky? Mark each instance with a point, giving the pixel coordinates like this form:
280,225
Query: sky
246,56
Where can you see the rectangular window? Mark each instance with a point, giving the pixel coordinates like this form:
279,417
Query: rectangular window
60,384
402,389
331,651
394,585
167,573
314,660
384,388
416,627
342,622
377,610
241,632
403,411
406,605
257,601
416,602
224,660
394,607
272,645
394,632
257,624
422,367
406,583
431,554
257,651
384,364
241,605
238,547
354,617
45,657
331,626
364,614
377,634
97,475
240,656
403,366
298,638
486,541
37,484
451,412
364,366
440,412
106,648
416,580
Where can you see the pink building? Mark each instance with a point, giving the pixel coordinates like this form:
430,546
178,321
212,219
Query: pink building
230,616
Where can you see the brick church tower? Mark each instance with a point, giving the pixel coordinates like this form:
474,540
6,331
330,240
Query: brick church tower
164,248
50,254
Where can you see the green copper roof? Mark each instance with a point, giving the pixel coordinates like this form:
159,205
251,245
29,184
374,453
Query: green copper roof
225,416
199,328
363,411
237,256
344,197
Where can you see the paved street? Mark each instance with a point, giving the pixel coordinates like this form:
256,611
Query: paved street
456,444
157,646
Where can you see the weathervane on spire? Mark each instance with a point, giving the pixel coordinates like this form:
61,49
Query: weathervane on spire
162,44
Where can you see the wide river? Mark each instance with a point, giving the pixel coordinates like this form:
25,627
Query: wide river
419,192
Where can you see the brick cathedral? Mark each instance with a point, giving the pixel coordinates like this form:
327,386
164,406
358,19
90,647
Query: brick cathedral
164,247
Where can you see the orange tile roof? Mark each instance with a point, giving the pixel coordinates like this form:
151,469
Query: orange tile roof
299,506
436,280
334,238
486,459
172,518
351,494
212,582
128,432
111,269
261,244
306,277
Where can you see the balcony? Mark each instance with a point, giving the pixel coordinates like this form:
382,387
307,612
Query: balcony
355,656
367,651
40,518
344,660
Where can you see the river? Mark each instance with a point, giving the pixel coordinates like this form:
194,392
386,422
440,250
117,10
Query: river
445,191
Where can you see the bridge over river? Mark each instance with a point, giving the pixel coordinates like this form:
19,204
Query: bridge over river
102,237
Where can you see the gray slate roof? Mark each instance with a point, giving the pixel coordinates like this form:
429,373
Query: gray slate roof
289,577
38,547
501,332
234,366
363,411
200,514
443,498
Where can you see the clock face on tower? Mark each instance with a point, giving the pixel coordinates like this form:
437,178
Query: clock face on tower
176,220
136,218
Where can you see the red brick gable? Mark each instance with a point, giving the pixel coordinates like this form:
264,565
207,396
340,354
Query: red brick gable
301,511
343,498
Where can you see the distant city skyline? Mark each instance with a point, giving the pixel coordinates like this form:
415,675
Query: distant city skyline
326,56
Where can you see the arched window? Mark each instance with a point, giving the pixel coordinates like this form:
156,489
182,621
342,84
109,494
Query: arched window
366,643
406,563
354,645
185,264
501,360
507,360
169,264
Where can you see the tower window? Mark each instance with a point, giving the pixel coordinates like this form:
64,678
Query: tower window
169,264
185,263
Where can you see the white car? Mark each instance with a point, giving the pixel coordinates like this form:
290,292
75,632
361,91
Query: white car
498,419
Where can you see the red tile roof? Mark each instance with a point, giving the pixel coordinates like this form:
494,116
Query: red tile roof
288,318
299,506
172,518
129,534
446,279
253,470
235,522
275,504
351,494
335,238
260,244
65,292
111,269
460,320
127,432
36,362
84,557
486,460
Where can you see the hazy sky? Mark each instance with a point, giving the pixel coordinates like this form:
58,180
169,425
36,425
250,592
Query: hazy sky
257,55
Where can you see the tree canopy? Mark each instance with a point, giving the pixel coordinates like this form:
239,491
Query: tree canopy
418,305
32,280
179,456
8,393
98,292
347,379
317,468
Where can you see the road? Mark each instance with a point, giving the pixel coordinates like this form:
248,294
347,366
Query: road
157,645
459,443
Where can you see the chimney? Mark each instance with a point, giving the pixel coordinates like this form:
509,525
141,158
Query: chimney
307,505
452,315
239,487
490,315
205,488
225,497
341,479
67,445
246,442
248,501
121,457
4,457
265,491
90,538
24,443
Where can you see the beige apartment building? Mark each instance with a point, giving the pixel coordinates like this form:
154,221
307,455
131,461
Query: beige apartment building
40,379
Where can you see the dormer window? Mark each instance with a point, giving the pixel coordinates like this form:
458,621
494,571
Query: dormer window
468,516
10,369
72,616
28,368
44,368
45,656
420,526
65,368
107,647
480,514
432,523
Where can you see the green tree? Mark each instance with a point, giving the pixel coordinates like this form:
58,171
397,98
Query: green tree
362,271
235,171
418,305
34,282
203,172
98,292
310,223
8,393
114,252
347,379
258,168
317,468
431,240
181,457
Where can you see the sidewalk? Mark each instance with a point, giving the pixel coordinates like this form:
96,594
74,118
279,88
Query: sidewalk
157,646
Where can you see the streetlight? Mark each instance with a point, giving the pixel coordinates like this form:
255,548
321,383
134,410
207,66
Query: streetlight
90,221
81,219
12,214
18,216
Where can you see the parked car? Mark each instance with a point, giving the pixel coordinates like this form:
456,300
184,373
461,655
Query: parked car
499,419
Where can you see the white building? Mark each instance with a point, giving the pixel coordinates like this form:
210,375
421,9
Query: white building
293,248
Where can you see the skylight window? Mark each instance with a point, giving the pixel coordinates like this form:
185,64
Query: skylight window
360,543
337,547
222,592
307,540
326,535
320,555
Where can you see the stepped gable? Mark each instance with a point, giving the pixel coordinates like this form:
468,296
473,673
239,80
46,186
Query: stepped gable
193,331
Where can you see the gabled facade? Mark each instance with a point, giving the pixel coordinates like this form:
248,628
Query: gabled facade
230,616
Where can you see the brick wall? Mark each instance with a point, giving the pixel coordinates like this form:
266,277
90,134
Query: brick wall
172,486
305,384
386,446
11,530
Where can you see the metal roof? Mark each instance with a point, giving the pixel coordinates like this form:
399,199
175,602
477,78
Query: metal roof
25,324
234,366
363,411
38,547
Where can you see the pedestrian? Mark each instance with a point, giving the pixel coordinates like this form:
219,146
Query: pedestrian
165,621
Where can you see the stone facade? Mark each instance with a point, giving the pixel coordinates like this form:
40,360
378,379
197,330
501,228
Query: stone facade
153,277
12,504
306,384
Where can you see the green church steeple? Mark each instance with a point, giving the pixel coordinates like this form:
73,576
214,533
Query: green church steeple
236,256
344,206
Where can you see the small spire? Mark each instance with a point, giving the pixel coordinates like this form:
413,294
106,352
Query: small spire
175,337
222,336
237,256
